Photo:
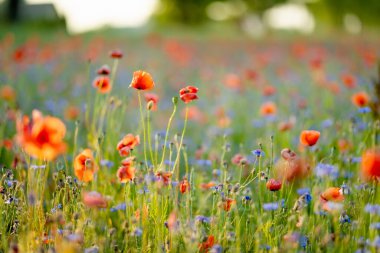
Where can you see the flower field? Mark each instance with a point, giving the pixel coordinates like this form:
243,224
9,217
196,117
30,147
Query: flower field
181,144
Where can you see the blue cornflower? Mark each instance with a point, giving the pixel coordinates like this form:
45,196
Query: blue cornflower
216,249
202,219
121,206
364,110
356,159
302,191
375,225
168,162
327,170
372,209
203,162
270,206
258,153
303,241
376,242
59,206
344,218
137,232
327,123
106,163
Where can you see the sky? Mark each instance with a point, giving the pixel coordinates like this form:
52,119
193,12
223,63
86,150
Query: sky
86,15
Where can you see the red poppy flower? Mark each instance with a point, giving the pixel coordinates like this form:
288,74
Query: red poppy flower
94,199
370,164
238,159
349,81
164,177
360,99
207,244
273,185
116,54
127,144
71,112
102,83
142,80
104,70
227,204
269,90
184,186
309,137
188,94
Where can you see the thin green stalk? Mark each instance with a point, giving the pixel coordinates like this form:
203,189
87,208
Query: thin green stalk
180,144
143,125
149,140
167,134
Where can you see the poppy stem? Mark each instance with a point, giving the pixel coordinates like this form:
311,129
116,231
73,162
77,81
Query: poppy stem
149,139
143,126
167,133
180,144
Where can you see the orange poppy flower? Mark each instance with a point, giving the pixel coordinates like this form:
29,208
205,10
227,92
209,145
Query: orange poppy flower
273,185
188,94
7,93
42,137
207,244
268,108
184,186
102,84
127,144
206,186
360,99
370,164
94,199
309,137
142,80
151,97
332,194
84,166
126,172
349,81
227,204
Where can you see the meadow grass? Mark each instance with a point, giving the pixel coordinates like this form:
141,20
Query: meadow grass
42,202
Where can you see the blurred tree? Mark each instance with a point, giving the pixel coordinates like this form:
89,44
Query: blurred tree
332,12
183,11
194,11
13,10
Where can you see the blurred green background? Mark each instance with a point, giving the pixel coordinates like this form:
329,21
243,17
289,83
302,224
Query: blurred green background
254,17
